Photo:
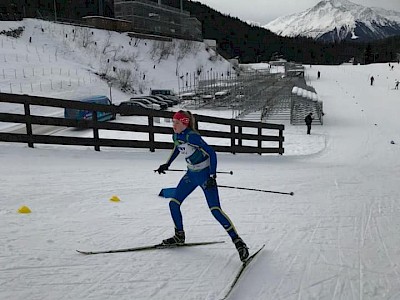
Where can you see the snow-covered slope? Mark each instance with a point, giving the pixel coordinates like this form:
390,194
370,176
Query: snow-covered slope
74,57
333,20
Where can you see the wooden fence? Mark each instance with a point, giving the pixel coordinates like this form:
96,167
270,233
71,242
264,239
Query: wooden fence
235,140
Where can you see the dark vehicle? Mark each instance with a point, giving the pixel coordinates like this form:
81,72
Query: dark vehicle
222,94
78,114
165,94
163,104
160,99
162,92
149,103
172,99
129,103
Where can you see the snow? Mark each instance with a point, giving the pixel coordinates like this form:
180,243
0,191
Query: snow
56,64
336,238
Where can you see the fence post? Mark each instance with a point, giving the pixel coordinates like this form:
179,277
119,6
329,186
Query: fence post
291,109
95,131
233,140
28,123
240,131
151,132
280,141
259,141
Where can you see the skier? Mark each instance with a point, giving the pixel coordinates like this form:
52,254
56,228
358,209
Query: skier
396,87
372,80
201,171
318,74
308,119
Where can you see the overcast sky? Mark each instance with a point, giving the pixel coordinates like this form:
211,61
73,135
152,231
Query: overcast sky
264,11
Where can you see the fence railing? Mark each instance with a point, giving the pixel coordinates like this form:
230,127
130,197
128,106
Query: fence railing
241,136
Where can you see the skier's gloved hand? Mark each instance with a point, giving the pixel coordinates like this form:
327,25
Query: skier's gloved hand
211,182
162,168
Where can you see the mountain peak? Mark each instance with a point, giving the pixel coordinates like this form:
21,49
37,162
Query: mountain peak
334,20
337,4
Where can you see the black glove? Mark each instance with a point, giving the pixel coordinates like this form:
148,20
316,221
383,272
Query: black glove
211,182
162,168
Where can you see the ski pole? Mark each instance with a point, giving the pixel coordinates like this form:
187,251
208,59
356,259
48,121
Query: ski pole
181,170
257,190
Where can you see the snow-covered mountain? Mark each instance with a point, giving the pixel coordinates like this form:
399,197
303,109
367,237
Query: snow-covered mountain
334,20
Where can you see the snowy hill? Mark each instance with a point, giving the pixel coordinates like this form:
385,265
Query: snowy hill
68,61
334,20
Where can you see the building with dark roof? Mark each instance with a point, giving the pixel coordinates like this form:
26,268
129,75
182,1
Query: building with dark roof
55,9
152,17
155,17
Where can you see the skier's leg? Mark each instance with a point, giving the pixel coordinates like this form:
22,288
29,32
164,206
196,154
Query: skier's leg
184,188
223,219
212,198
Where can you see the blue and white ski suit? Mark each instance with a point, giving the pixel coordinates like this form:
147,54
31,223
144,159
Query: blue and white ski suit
201,164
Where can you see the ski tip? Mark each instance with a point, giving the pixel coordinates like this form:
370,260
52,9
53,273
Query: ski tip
259,249
248,260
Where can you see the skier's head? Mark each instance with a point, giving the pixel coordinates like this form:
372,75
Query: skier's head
181,120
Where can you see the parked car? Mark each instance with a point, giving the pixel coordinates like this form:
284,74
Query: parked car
161,99
222,94
162,92
172,99
169,94
189,96
129,103
163,105
81,114
207,97
151,104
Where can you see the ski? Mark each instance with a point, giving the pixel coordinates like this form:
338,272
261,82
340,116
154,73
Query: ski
151,247
241,270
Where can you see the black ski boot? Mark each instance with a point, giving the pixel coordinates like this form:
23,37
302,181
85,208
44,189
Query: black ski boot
177,239
242,249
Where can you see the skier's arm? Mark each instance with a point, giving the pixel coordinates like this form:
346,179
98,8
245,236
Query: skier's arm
164,167
174,154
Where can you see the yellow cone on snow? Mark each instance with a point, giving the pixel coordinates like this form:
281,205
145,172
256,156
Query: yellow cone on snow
24,210
115,199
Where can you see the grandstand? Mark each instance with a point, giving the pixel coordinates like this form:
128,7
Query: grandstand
261,96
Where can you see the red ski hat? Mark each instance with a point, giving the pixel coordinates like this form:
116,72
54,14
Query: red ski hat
181,116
